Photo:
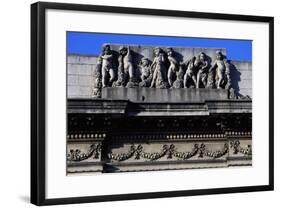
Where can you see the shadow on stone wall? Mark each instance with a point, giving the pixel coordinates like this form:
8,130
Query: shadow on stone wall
115,61
235,78
136,62
209,59
178,56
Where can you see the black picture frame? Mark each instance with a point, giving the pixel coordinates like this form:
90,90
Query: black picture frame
38,102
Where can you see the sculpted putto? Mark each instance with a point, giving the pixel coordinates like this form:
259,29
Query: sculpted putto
173,68
159,79
203,68
221,67
107,69
129,72
126,71
190,74
146,74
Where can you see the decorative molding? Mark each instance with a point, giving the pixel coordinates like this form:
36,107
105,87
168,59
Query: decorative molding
238,133
161,136
171,136
170,151
183,155
213,154
77,155
235,146
85,136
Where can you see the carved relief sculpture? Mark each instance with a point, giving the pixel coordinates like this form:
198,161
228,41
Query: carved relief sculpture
129,69
159,79
126,72
221,66
97,76
122,75
203,64
178,83
164,72
173,68
146,74
190,74
108,72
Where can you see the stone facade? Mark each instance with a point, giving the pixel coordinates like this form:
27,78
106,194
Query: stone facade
129,126
131,138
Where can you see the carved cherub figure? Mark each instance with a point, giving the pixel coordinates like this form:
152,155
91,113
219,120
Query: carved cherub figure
190,74
144,68
156,53
203,65
173,68
220,65
146,74
126,72
108,73
125,52
159,79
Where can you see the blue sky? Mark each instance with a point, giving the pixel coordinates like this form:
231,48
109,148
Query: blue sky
91,43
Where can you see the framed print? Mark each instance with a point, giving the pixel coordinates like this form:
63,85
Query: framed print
130,103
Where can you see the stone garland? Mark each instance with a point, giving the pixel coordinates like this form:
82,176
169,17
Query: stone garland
170,151
123,156
235,145
215,154
138,152
151,156
77,155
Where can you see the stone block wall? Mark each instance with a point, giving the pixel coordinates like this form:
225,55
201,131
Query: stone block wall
242,77
80,75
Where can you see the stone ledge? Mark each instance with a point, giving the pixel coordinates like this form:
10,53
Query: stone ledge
125,107
147,95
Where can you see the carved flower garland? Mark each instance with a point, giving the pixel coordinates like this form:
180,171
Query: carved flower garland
77,155
170,151
235,145
167,150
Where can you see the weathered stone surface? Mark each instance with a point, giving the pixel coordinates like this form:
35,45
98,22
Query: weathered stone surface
76,58
81,69
241,75
163,95
72,80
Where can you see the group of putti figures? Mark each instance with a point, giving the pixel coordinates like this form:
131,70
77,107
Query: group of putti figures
165,71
